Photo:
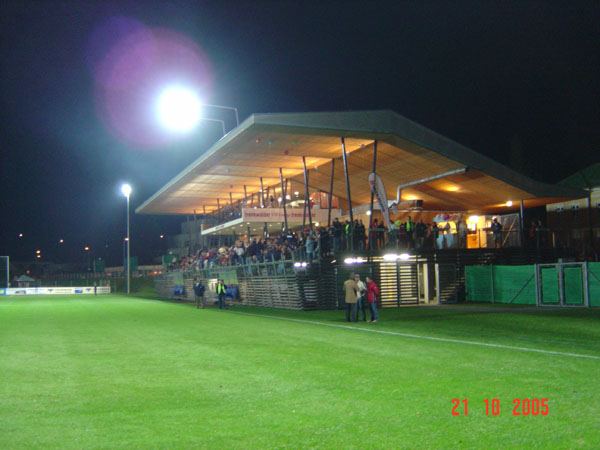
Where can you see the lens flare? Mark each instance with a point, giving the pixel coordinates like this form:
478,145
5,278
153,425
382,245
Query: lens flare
133,65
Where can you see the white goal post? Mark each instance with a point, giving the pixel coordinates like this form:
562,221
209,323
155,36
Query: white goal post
4,272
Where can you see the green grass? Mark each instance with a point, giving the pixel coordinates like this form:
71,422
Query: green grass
112,372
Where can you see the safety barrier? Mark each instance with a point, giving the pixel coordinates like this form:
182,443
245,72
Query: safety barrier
557,284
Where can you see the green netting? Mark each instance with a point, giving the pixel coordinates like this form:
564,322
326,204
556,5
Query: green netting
478,283
594,283
514,284
549,281
573,285
501,284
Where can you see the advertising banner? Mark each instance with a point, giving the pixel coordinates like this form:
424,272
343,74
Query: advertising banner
378,188
58,290
294,215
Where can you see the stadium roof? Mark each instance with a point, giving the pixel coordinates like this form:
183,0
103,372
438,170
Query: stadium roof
407,151
585,179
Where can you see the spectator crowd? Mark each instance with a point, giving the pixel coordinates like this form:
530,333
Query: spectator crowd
316,242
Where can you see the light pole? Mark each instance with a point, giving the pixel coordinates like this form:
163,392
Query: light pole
126,191
222,122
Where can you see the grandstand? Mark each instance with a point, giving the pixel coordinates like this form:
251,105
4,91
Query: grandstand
291,174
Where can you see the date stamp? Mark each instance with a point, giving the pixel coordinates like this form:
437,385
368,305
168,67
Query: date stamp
492,406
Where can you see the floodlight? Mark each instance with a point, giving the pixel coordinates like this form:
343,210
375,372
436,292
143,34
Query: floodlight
509,203
404,256
126,190
178,109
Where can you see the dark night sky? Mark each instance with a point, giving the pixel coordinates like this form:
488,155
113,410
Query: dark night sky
491,75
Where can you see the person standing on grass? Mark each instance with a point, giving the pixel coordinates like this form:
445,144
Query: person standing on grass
350,292
199,293
361,301
221,292
372,296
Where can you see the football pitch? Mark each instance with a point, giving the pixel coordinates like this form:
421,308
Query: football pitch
117,372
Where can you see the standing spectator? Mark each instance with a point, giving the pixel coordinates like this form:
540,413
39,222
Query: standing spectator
221,292
447,233
402,237
361,235
373,235
239,252
497,232
199,293
350,297
462,230
324,242
410,232
337,235
420,232
435,233
310,248
372,296
347,235
361,301
381,235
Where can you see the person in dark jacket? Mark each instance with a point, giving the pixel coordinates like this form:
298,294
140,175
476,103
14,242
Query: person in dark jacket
199,293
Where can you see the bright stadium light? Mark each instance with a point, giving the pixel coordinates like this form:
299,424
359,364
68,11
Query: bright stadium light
178,109
126,190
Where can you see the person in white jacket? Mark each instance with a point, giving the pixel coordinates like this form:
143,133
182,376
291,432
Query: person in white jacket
361,301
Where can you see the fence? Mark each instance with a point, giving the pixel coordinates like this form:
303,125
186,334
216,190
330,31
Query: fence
281,284
560,284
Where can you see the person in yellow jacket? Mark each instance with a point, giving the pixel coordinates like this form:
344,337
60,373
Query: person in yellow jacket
221,291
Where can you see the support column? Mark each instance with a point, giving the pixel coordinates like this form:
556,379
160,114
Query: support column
348,193
590,225
522,222
306,192
262,204
330,198
374,169
283,200
262,193
245,196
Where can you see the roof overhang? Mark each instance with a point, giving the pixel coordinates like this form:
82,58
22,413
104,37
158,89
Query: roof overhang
407,151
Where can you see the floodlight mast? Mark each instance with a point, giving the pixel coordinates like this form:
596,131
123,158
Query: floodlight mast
231,108
126,191
222,122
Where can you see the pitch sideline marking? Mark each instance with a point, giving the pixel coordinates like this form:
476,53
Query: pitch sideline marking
429,338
